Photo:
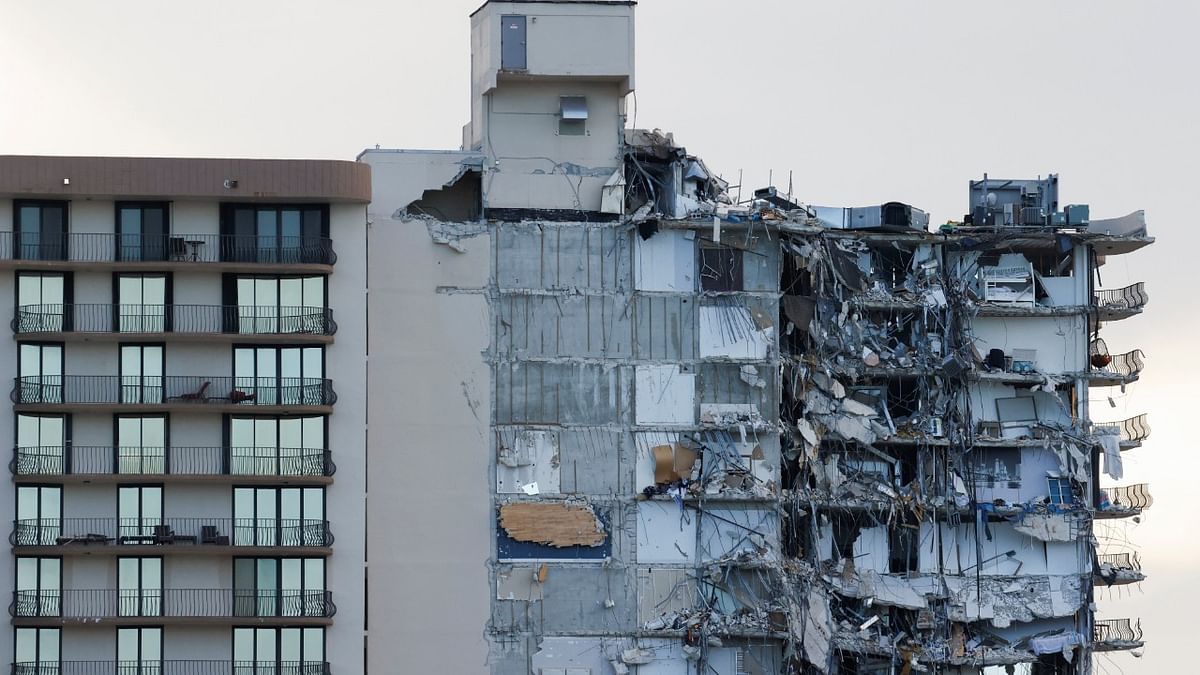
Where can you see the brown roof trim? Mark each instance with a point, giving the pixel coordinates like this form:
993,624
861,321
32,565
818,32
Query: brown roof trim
182,178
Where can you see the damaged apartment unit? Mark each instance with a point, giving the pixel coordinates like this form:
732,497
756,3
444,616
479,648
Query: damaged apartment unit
665,429
187,373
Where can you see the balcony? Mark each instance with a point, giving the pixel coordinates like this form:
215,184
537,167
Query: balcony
1122,501
65,393
1115,569
171,668
171,605
243,323
1120,303
79,463
1110,370
160,536
1131,431
1110,635
109,250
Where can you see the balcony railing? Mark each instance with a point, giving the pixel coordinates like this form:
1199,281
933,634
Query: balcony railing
199,532
1118,368
1120,561
1127,497
104,603
148,667
1131,297
1116,630
172,389
196,319
57,460
1132,430
109,247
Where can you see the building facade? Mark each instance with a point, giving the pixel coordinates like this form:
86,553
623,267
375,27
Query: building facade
188,372
697,431
561,401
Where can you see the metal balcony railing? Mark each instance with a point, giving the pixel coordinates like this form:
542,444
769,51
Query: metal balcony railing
1134,429
57,460
198,319
1120,561
1129,496
150,667
109,247
172,389
105,603
256,532
1121,366
1129,298
1117,630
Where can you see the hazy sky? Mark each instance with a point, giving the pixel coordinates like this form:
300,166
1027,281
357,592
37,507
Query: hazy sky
863,101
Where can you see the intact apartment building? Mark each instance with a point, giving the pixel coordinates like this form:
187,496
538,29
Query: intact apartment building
668,426
187,412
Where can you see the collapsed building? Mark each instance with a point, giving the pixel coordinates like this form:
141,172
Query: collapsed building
693,432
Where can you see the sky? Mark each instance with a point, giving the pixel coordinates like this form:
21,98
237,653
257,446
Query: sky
859,102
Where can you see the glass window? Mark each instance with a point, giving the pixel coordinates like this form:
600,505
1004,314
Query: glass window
41,373
280,305
142,444
277,446
139,584
142,373
42,302
39,587
279,586
139,651
41,443
1060,491
41,230
142,303
279,375
139,513
39,515
142,229
275,234
37,651
275,650
279,516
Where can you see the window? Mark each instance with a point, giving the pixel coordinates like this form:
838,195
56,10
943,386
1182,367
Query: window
39,587
266,651
141,444
142,373
279,375
274,234
37,651
279,516
41,368
41,441
139,651
279,586
720,268
43,300
140,585
39,515
1060,491
143,303
41,230
277,304
277,446
142,229
139,513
